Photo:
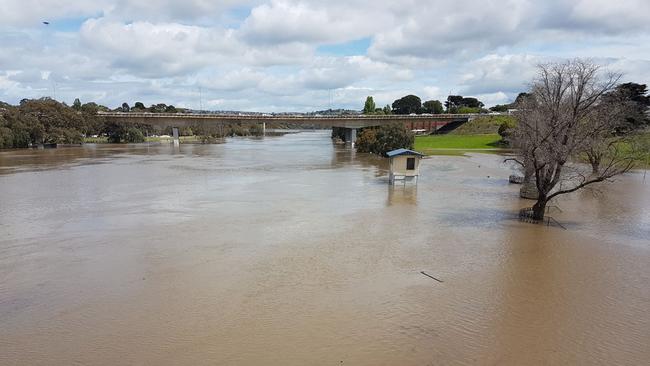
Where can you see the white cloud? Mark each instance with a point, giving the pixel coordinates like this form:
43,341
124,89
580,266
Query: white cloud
257,54
499,73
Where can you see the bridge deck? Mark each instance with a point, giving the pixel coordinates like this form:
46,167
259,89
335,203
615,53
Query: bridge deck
428,122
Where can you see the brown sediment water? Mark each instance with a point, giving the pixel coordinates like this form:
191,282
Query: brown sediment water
293,251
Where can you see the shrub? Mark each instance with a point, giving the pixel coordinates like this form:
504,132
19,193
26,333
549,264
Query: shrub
133,135
384,139
506,129
367,140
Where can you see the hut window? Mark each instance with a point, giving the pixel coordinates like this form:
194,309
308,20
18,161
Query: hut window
410,163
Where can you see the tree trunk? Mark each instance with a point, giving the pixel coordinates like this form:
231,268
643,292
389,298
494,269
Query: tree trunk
595,166
528,188
539,209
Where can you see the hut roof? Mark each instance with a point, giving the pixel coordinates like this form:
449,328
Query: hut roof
398,152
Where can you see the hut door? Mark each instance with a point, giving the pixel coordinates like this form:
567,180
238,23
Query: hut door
410,163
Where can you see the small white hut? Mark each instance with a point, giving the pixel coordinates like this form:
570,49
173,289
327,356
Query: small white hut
404,165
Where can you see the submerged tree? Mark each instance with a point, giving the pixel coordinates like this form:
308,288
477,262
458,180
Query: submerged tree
561,120
384,139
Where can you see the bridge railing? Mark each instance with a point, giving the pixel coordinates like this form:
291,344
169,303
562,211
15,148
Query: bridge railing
284,117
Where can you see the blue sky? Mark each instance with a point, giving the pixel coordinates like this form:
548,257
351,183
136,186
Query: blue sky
356,47
284,55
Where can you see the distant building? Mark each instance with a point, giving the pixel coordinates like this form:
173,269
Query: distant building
404,165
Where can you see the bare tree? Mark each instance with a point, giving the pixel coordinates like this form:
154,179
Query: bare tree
562,120
609,115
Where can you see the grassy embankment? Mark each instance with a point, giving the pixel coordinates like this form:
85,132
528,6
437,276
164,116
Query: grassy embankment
479,134
640,146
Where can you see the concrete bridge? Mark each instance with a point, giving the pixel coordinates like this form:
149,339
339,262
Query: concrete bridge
425,123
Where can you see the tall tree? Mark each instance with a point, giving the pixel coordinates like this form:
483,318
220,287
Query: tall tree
432,106
521,98
407,105
560,121
500,108
76,105
634,97
471,102
453,102
369,106
125,107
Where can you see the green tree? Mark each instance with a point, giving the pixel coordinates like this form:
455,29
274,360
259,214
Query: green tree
125,107
369,106
453,102
76,105
500,108
407,105
170,109
158,108
432,106
466,110
133,135
384,139
139,106
388,110
120,132
471,102
367,140
60,123
506,129
521,98
18,130
633,97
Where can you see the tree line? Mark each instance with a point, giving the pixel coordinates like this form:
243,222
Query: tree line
412,104
46,121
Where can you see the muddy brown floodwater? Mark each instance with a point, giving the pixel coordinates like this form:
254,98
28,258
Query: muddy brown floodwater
291,251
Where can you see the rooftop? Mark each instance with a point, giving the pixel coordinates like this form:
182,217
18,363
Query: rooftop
398,152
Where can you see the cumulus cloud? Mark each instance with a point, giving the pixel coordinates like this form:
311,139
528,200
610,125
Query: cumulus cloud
30,13
502,73
264,54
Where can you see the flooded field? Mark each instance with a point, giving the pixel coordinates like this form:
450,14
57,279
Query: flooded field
292,251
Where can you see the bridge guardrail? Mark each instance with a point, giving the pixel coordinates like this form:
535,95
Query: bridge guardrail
231,116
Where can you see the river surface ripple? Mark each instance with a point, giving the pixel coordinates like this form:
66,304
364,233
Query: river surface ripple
292,251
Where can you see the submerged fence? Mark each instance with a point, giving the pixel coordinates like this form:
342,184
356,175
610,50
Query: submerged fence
526,215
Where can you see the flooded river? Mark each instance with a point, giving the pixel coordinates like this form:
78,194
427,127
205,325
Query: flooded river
292,251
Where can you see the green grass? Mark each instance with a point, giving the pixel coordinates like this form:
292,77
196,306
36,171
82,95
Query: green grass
481,125
435,144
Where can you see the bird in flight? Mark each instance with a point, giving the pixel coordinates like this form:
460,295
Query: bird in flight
46,23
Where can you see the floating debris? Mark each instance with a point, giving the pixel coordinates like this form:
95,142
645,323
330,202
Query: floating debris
430,276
